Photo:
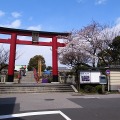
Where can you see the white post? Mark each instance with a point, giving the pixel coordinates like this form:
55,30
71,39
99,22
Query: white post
108,78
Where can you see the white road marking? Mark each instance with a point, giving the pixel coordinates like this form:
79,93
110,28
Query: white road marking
35,113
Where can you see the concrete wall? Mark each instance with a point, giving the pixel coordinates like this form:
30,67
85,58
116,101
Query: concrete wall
114,80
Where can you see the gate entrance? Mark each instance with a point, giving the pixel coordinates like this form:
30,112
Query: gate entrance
13,41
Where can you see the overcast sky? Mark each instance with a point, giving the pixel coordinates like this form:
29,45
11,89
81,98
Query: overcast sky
54,16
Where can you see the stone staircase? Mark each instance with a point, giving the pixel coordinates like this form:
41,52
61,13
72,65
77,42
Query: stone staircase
35,88
29,78
29,85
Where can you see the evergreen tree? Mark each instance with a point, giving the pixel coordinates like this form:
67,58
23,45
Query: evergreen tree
33,63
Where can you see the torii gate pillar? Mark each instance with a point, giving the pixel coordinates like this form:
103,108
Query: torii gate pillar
12,57
54,59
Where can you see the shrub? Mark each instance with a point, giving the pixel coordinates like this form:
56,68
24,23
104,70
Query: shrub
89,89
49,79
99,89
92,89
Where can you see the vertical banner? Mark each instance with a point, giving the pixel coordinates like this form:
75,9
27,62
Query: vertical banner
35,75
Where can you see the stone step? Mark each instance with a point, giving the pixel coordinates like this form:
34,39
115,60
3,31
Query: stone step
28,78
11,92
34,88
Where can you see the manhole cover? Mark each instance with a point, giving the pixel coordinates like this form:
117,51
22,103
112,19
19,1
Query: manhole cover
49,99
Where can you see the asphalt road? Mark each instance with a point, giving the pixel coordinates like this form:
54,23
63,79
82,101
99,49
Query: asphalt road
59,106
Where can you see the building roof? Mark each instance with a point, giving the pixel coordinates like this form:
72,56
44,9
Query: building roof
29,32
63,69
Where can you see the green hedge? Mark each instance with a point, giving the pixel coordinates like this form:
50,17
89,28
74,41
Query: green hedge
92,89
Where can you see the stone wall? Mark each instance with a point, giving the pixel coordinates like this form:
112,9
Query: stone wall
67,79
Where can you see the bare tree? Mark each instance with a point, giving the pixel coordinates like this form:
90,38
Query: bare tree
4,56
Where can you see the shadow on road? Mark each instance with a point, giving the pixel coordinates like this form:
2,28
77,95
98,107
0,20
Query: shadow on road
8,107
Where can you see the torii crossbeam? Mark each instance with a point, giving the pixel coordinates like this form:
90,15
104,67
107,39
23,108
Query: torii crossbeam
13,41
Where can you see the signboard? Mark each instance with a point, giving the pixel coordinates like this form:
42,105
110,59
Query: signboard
103,79
108,72
95,76
35,36
84,77
89,77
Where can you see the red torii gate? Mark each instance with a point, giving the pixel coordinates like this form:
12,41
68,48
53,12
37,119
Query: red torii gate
13,41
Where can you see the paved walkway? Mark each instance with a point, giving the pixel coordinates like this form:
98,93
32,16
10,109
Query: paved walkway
47,101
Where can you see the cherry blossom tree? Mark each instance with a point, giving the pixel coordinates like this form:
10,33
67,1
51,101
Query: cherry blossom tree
83,47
